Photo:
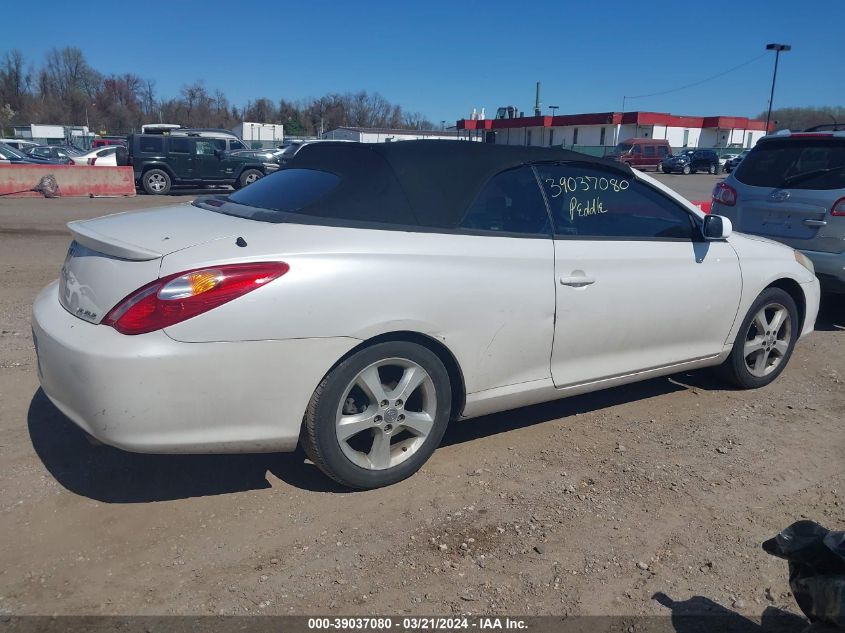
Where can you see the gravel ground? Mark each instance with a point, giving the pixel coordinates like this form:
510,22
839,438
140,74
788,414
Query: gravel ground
645,499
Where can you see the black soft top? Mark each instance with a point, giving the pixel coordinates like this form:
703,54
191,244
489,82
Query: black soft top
423,183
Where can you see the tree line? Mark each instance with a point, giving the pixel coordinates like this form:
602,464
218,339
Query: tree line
66,90
802,118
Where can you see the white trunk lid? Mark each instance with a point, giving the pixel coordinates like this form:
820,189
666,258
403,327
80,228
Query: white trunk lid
113,256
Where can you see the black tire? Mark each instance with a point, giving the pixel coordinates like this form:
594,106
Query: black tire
687,170
735,369
319,437
156,182
249,176
712,169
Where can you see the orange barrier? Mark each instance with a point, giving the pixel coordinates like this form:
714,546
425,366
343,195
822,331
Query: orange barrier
19,181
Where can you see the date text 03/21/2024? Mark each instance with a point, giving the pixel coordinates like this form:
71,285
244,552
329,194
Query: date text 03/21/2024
417,623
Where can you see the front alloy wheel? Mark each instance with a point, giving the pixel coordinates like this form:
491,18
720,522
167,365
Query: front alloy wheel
765,341
378,415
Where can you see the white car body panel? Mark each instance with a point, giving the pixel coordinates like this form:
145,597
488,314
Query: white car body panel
239,377
474,294
108,158
651,304
148,393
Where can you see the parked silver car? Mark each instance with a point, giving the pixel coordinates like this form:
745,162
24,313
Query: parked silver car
791,188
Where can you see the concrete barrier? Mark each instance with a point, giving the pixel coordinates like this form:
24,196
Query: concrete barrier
18,181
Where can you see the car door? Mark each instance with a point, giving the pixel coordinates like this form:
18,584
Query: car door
637,287
180,157
209,156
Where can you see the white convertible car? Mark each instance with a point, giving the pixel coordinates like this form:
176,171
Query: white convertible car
364,296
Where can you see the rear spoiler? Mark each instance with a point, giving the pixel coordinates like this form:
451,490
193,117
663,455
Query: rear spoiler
109,245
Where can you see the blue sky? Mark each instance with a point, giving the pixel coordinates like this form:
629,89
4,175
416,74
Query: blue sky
444,58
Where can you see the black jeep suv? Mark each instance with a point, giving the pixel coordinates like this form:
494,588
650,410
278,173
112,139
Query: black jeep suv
161,161
692,160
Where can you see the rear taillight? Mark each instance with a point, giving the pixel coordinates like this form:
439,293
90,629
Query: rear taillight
838,207
179,297
724,194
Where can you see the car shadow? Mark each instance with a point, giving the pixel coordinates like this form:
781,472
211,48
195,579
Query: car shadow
475,428
112,475
703,615
831,313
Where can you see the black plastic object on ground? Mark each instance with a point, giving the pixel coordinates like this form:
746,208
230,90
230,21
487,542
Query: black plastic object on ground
816,558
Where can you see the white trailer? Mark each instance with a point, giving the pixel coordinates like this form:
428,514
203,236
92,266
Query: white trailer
259,132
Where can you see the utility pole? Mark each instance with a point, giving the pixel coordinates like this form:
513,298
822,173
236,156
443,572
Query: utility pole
777,48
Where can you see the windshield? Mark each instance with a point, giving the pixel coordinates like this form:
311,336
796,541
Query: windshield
813,163
10,152
624,147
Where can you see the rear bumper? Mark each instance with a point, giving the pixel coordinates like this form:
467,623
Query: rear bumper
830,269
151,394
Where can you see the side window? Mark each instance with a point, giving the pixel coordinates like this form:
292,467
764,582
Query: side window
663,151
510,202
219,143
236,144
204,147
638,149
152,144
180,145
649,150
591,202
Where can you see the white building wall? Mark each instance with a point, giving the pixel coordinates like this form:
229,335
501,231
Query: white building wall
675,136
591,135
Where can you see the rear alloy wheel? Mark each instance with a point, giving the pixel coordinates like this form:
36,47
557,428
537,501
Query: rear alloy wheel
156,182
711,170
765,341
378,416
687,169
249,176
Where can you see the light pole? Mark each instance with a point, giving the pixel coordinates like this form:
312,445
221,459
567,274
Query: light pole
777,48
553,108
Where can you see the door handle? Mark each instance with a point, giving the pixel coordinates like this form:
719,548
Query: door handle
815,222
577,282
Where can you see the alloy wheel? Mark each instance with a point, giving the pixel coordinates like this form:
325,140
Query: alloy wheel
157,182
767,339
386,413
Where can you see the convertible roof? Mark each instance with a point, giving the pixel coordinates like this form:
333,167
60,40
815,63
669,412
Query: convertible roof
426,183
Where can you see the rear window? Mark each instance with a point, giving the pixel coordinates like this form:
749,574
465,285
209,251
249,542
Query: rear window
333,184
288,190
795,164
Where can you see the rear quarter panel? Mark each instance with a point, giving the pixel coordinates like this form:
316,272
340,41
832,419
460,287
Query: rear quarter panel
490,300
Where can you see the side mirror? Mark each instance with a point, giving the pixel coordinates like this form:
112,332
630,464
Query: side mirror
716,227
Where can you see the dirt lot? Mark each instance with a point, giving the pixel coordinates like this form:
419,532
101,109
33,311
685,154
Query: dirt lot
593,505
